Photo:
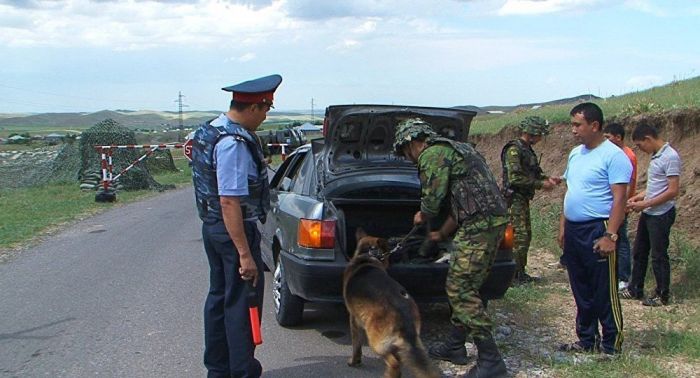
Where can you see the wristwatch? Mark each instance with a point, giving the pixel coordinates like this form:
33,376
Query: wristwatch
610,236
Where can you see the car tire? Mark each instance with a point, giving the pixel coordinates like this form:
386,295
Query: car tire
289,308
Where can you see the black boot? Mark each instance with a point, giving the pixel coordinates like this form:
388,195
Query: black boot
453,348
489,363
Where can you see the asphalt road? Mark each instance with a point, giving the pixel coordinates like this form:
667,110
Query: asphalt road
121,295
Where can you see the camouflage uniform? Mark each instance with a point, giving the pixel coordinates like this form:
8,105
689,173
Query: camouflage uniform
454,174
522,175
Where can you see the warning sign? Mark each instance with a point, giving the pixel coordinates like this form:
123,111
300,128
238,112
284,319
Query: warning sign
187,149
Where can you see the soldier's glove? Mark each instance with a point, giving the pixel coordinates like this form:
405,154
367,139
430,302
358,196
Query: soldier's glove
428,248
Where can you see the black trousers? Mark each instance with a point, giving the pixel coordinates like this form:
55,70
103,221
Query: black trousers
652,236
593,280
229,349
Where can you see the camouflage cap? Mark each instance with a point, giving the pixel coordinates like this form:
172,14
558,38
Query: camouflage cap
410,129
534,125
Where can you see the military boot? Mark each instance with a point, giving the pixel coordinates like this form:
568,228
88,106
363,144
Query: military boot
453,348
489,363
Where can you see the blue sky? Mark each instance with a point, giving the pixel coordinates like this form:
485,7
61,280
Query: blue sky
81,55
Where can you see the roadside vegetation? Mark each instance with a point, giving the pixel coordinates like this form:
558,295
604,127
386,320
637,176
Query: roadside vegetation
31,212
659,342
677,95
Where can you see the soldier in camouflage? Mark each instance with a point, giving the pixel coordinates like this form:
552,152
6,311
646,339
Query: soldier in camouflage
454,175
522,175
232,195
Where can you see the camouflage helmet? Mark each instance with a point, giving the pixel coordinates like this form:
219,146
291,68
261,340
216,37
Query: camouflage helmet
410,129
534,125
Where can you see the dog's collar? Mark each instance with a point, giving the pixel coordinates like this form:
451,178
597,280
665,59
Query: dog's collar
377,253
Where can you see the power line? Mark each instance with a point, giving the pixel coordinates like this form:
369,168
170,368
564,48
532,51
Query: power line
180,105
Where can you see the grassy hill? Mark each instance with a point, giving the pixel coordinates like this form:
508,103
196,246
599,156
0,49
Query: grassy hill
676,95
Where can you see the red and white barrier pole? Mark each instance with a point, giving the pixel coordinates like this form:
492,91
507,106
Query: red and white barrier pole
107,165
105,179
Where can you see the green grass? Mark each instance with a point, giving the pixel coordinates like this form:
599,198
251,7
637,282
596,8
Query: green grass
664,341
623,366
523,295
681,250
638,361
667,337
29,212
183,176
676,95
545,226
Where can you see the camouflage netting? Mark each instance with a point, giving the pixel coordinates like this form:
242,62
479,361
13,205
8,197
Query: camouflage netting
160,161
111,132
40,166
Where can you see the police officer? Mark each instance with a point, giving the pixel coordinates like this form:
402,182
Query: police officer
455,175
522,175
232,194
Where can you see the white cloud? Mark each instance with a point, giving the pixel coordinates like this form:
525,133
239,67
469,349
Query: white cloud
551,80
344,45
137,25
533,7
645,6
366,27
247,57
644,81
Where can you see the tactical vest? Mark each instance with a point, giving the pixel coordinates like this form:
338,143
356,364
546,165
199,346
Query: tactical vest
257,203
529,164
474,196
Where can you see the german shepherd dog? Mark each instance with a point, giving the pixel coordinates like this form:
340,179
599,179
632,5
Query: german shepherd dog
383,308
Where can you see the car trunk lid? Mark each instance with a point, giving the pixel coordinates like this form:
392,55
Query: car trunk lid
361,136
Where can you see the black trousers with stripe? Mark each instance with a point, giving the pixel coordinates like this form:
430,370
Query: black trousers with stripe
593,280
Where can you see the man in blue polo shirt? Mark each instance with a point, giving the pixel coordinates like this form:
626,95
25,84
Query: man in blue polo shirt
597,174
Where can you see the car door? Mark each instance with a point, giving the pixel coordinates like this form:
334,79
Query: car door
271,225
290,200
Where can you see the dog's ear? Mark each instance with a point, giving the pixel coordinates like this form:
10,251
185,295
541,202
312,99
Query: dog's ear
360,233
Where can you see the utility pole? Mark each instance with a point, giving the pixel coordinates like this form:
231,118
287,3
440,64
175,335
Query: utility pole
312,110
180,105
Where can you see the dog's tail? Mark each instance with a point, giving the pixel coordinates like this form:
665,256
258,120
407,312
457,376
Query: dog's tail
413,354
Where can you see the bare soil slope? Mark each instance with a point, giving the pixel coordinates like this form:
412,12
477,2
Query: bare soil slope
679,127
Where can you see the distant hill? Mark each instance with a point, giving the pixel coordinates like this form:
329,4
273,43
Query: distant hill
141,119
508,109
158,120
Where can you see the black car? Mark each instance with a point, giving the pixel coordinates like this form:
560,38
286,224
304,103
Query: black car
350,178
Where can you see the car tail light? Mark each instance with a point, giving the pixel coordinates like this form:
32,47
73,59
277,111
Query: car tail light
507,242
316,233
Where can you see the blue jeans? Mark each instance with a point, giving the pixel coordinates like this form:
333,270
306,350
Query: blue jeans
624,260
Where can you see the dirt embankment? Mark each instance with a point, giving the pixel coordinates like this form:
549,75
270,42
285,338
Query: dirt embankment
679,127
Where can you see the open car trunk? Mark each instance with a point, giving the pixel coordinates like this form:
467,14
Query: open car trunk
387,212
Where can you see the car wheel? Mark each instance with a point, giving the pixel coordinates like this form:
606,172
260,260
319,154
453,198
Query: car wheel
288,307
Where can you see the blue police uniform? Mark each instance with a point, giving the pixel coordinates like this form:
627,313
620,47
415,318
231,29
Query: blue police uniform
227,160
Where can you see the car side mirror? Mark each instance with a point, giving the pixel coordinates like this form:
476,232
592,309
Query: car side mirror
286,184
